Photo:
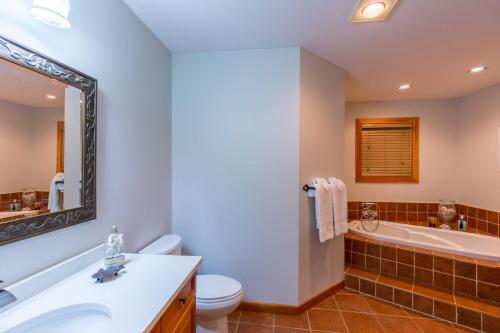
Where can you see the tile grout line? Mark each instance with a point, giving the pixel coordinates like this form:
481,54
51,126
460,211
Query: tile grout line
373,313
414,323
309,321
340,313
238,322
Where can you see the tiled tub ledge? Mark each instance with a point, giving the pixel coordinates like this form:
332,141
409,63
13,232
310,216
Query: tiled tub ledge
475,314
463,276
480,221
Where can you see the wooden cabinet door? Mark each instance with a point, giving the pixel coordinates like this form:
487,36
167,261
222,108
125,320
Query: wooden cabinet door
187,324
180,317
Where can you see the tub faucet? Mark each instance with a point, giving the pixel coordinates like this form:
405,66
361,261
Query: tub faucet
6,297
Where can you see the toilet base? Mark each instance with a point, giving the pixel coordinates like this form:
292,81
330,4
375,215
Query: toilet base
212,326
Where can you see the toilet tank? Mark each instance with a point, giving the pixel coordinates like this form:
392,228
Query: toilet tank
166,245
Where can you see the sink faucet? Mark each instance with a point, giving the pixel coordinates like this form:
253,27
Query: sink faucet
6,297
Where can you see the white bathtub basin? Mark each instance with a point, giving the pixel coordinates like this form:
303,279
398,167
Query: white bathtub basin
4,215
79,318
455,242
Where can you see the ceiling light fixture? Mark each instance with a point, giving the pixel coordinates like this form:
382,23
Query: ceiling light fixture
477,69
372,10
405,86
49,96
52,12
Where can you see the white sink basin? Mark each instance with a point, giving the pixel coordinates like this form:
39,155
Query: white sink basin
80,318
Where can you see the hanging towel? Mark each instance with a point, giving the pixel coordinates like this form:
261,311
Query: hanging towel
324,209
54,204
339,196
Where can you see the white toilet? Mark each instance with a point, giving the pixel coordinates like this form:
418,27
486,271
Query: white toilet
216,295
167,245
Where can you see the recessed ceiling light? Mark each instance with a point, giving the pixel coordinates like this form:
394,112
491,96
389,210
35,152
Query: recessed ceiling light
52,12
49,96
477,69
405,86
372,10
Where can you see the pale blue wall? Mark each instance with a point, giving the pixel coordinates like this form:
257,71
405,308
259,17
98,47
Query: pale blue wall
322,113
108,42
236,166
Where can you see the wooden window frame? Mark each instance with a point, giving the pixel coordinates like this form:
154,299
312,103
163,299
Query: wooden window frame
60,147
414,178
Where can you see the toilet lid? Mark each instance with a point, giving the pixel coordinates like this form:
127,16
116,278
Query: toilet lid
216,287
164,245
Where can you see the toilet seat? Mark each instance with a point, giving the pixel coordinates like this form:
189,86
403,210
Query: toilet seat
216,289
220,300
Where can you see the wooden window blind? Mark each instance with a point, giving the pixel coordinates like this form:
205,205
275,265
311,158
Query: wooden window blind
387,150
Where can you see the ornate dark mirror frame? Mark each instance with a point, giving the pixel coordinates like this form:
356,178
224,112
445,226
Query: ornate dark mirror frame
37,225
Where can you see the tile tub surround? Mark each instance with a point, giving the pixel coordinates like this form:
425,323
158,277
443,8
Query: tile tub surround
7,198
451,273
479,220
427,301
346,311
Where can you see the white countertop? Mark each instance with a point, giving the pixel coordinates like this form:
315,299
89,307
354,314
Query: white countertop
146,287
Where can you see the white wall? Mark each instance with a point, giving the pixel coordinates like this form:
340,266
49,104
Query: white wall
28,141
235,166
43,155
479,149
72,147
15,149
108,42
438,151
322,112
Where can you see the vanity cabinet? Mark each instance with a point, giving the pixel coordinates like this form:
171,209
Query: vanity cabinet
180,316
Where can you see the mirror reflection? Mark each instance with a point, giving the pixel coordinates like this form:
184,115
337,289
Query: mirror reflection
40,144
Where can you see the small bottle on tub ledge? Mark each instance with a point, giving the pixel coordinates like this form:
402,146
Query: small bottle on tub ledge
432,221
462,223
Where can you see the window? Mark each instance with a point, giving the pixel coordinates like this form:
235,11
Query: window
387,150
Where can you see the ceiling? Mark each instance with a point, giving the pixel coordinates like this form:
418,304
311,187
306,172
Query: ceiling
428,43
19,85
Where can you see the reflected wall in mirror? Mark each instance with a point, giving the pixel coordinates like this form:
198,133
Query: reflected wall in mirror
34,112
47,144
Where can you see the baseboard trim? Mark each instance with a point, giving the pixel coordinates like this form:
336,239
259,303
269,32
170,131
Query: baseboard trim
290,309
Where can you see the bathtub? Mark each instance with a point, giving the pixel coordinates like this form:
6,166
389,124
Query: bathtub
4,215
454,242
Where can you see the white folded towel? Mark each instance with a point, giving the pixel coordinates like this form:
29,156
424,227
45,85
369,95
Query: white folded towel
324,209
339,196
54,204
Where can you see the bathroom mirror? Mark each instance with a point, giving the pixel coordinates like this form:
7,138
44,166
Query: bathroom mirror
47,144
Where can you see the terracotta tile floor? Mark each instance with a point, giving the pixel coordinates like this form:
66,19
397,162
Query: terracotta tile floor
346,312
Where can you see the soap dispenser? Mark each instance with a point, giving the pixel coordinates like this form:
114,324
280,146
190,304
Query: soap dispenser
15,206
462,223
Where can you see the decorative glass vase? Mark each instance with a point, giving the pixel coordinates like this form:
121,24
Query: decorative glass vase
28,197
370,213
446,212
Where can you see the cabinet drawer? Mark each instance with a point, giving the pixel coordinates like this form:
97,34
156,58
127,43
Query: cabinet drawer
187,323
182,305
